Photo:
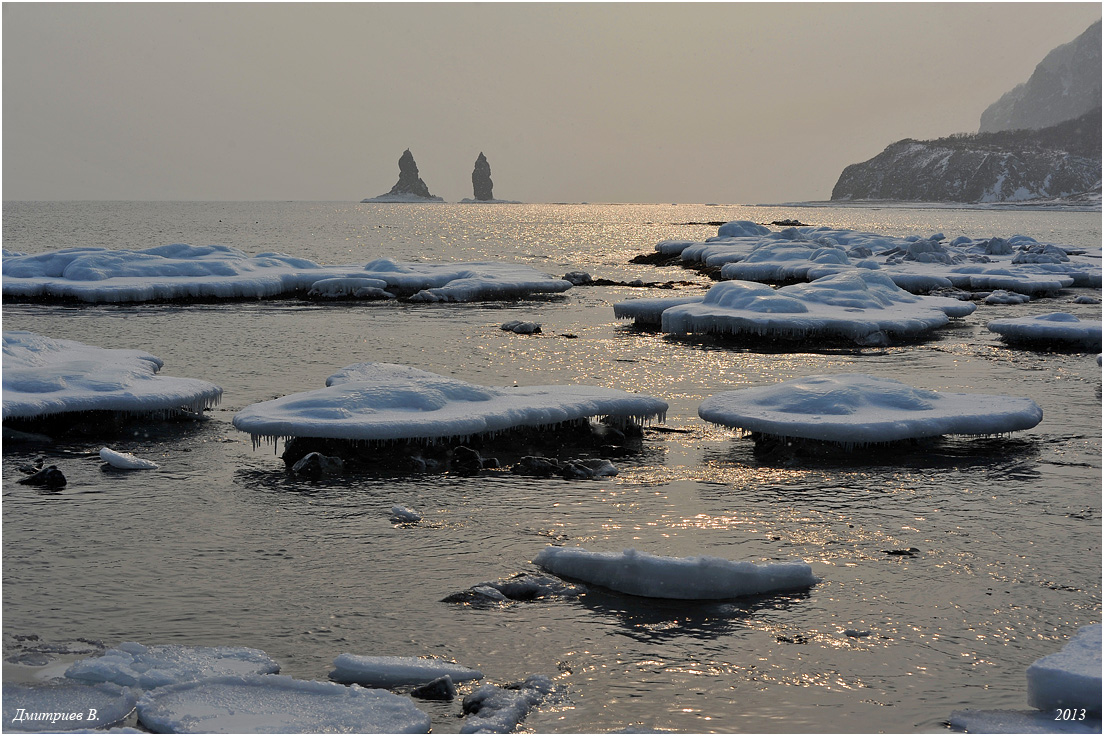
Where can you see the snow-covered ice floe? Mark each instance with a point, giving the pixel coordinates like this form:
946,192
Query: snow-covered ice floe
196,273
863,307
132,664
747,251
1058,328
45,376
383,671
125,461
648,311
658,577
859,409
1064,687
54,707
1070,678
277,704
380,402
499,710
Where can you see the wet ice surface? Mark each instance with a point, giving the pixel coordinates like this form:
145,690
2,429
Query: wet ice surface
1007,531
60,706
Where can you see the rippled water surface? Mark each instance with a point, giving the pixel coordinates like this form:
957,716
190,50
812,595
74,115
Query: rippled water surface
221,547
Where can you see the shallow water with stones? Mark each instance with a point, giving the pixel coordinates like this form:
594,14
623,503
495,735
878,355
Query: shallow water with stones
220,546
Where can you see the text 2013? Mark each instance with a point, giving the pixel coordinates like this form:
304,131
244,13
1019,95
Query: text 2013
1070,715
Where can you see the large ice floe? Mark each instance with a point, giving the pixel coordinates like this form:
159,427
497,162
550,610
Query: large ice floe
382,671
659,577
141,666
187,273
277,704
746,251
1055,328
381,402
854,410
861,307
1064,687
58,706
46,376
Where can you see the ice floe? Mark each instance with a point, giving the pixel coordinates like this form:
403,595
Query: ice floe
859,409
1060,328
746,251
277,704
132,664
499,710
125,461
700,577
196,273
384,401
46,376
1070,678
58,706
863,307
382,671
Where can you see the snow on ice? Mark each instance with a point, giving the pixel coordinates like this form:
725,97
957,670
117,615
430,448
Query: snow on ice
277,704
701,577
746,251
1070,678
384,401
44,376
132,664
864,307
859,409
382,671
191,273
499,710
60,706
1055,327
125,461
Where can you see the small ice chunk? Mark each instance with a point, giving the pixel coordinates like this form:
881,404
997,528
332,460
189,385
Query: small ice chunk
499,710
118,459
401,514
700,577
1070,678
277,704
522,327
132,664
382,671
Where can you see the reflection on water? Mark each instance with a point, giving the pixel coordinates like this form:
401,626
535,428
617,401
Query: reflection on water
221,546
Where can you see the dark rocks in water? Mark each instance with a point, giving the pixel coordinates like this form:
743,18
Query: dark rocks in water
789,223
578,278
481,179
315,465
439,689
577,468
409,182
656,258
49,477
467,461
521,327
520,587
906,552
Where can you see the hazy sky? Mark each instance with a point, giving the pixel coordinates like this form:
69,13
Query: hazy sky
718,102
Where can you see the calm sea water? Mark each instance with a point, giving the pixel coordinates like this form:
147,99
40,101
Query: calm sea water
222,547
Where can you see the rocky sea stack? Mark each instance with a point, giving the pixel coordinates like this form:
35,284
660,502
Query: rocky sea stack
481,179
410,187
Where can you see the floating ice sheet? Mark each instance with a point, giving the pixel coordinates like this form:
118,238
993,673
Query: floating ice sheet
858,409
864,307
700,577
384,401
381,671
984,721
499,710
277,704
1054,327
132,664
195,273
54,707
44,376
1070,678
